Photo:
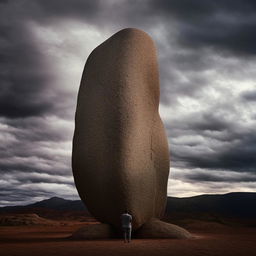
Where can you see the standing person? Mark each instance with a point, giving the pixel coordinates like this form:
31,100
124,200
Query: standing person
127,226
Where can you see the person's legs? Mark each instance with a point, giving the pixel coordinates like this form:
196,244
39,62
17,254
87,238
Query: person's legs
129,234
125,234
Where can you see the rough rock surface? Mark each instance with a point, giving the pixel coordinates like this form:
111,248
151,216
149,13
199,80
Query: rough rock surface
159,229
120,153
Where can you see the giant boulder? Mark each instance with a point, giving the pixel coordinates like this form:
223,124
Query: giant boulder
120,153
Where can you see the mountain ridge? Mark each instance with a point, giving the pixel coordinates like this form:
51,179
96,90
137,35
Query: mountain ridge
235,205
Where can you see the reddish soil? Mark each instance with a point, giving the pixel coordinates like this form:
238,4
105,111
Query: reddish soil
52,240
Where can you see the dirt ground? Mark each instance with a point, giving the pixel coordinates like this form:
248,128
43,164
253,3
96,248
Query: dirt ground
52,240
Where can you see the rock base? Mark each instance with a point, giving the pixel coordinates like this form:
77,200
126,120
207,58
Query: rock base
155,228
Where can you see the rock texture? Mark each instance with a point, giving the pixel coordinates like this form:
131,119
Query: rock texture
120,154
159,229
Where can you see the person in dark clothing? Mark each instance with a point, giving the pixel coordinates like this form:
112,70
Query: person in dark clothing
126,219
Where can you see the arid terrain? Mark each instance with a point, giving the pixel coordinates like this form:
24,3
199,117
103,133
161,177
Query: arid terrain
210,239
221,226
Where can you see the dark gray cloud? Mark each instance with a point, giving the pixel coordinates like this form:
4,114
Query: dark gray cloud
249,95
223,25
26,77
78,9
207,70
23,75
212,141
208,175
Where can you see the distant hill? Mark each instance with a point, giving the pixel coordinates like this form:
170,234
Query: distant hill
54,203
231,205
240,205
57,203
54,208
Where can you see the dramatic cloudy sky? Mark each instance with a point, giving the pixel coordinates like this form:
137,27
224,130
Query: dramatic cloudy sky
207,61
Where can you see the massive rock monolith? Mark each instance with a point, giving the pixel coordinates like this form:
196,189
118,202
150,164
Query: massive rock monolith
120,152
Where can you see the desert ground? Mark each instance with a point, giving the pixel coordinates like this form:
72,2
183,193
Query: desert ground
52,239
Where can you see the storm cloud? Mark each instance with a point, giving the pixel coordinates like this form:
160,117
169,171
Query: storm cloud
207,60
